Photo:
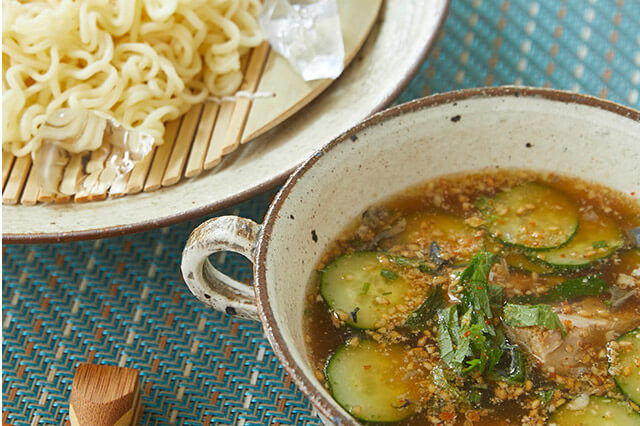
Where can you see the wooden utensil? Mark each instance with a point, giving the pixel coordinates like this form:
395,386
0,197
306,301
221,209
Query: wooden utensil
104,395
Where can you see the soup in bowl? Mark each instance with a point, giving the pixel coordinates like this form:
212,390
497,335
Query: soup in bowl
508,297
479,211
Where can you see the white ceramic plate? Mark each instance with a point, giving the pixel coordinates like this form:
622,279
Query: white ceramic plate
395,48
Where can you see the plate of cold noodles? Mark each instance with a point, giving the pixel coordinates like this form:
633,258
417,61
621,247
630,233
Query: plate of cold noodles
124,98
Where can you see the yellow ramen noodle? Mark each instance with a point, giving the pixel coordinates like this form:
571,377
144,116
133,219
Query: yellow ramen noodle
142,62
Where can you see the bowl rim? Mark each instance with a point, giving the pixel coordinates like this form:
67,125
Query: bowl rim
267,317
119,230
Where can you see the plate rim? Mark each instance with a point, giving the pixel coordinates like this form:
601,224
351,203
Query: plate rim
142,226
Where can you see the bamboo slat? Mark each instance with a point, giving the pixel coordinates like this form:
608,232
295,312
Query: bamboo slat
181,147
160,160
214,152
7,162
46,197
71,176
195,165
89,182
238,120
139,173
15,183
31,189
119,186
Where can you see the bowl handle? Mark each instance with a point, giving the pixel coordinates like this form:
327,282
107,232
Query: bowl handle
225,233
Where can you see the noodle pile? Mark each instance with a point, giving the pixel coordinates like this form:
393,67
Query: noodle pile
141,62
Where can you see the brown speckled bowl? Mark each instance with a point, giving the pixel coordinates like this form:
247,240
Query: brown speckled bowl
469,130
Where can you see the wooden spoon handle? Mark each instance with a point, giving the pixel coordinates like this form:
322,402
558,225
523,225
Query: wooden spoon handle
104,395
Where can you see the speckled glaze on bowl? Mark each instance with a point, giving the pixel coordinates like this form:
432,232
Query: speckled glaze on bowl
507,127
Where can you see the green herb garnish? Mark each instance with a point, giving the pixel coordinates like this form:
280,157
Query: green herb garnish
403,261
420,318
307,312
365,288
482,202
545,395
475,282
532,315
423,267
410,263
440,379
388,274
475,397
600,244
466,337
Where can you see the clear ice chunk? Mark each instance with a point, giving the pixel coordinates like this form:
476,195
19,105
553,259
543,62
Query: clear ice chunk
307,33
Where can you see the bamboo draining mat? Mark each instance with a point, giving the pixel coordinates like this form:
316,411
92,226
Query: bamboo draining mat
197,141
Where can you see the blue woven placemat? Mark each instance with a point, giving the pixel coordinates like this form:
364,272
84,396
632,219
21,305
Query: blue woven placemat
121,301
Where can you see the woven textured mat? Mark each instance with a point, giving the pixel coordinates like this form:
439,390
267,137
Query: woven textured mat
121,301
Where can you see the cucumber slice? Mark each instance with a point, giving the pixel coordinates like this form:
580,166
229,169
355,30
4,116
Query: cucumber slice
521,262
456,239
365,381
627,362
598,237
354,282
530,215
600,411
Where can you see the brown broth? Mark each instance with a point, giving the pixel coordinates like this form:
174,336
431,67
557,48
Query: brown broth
456,195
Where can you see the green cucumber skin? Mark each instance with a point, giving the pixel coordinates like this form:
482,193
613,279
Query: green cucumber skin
536,250
560,268
326,298
332,385
491,227
630,417
335,357
549,269
594,227
618,379
572,288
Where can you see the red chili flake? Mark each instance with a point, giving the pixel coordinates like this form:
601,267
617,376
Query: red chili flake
563,255
366,367
633,192
467,333
487,321
532,223
447,416
479,287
